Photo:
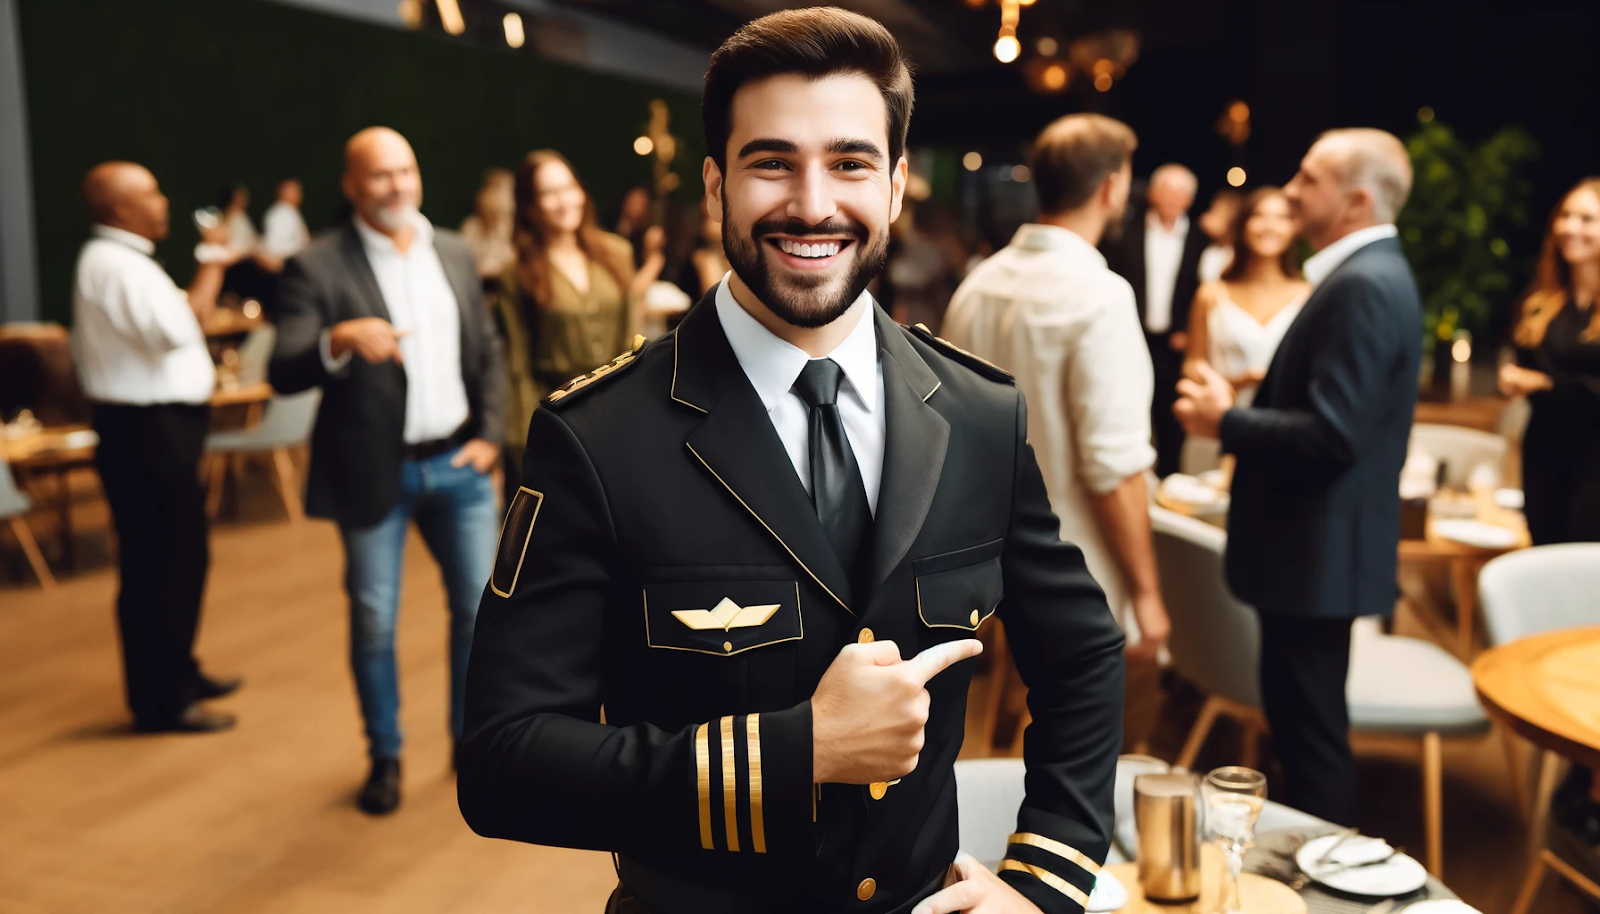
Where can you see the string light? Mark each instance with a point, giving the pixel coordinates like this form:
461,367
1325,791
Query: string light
1425,114
1054,77
1021,174
1007,48
450,17
644,145
1047,46
1236,176
972,161
515,36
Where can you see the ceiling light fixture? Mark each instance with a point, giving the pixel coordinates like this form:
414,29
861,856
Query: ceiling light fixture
515,36
972,161
450,17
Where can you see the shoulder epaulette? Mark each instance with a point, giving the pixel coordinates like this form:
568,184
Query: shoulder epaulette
982,366
567,392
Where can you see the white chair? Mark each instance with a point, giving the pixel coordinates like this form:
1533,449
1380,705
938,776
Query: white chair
285,424
1459,449
1543,589
255,353
14,506
1400,687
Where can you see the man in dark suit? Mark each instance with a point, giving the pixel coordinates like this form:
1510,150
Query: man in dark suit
763,545
386,315
1158,253
1314,525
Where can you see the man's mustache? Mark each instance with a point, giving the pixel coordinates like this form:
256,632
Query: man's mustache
799,228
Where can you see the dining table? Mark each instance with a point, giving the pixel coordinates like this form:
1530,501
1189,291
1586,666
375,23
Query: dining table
1545,688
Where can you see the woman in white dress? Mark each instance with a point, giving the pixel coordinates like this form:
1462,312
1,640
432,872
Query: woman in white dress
1237,321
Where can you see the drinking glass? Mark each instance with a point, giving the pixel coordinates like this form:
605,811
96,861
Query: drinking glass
1234,799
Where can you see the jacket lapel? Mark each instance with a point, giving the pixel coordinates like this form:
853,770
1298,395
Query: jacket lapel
737,444
361,271
914,451
464,283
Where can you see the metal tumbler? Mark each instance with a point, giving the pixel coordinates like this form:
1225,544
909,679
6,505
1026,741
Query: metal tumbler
1165,810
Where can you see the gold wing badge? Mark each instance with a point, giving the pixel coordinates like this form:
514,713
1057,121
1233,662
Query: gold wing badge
726,615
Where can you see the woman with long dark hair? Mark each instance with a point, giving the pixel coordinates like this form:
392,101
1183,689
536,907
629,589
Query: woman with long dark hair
1237,321
1557,335
569,303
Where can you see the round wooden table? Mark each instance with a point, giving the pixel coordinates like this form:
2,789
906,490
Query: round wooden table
1546,689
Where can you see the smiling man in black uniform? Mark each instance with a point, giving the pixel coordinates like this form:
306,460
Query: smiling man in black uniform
763,544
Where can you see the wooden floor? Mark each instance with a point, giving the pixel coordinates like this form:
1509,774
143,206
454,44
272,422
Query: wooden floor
261,819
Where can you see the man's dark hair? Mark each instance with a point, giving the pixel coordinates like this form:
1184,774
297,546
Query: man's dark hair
1074,155
814,43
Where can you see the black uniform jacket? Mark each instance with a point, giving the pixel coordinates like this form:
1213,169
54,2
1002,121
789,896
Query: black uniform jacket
664,563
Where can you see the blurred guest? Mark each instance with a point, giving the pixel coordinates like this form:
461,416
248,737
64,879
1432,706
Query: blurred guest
1314,523
283,229
571,302
1558,368
488,230
633,220
709,260
386,315
142,360
1217,222
1160,258
1237,321
235,205
1047,309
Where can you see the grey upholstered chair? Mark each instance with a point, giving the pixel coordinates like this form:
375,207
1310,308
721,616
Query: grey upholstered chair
1459,449
1401,687
286,423
14,506
254,354
1538,590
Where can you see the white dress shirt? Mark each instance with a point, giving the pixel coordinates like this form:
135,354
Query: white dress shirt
1163,256
419,298
1320,266
283,231
242,237
1047,309
134,338
773,365
1214,261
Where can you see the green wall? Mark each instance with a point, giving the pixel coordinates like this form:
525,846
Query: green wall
208,93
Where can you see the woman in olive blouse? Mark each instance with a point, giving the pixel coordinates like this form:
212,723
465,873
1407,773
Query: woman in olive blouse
570,303
1558,369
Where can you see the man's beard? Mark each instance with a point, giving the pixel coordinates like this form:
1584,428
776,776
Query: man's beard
392,217
803,299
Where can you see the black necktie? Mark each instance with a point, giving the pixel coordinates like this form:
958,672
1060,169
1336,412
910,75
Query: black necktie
836,488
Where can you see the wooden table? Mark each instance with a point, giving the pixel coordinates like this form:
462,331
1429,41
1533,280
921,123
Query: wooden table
1259,894
231,322
1546,689
53,451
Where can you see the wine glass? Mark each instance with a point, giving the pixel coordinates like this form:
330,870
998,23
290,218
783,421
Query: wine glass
1234,799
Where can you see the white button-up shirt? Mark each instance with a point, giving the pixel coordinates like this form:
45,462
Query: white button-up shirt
417,293
283,231
135,339
1320,266
1163,256
1047,309
773,365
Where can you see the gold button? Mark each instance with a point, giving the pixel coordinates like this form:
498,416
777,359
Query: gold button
727,646
865,637
974,617
866,888
878,789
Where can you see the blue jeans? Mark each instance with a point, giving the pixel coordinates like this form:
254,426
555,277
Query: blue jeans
456,512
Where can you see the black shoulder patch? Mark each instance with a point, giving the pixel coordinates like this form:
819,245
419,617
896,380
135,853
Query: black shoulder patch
956,354
514,537
567,392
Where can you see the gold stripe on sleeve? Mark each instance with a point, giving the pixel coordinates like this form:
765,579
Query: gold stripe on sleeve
1048,878
758,832
730,781
702,771
1065,852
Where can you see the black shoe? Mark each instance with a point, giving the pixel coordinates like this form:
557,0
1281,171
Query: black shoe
381,794
207,688
194,719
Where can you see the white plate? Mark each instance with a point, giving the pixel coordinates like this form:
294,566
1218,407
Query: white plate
1441,906
1509,499
1401,875
1476,533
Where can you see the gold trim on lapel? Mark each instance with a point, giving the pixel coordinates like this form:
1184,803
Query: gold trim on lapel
673,391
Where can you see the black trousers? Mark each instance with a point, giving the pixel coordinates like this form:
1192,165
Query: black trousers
148,460
1561,474
1168,367
1304,665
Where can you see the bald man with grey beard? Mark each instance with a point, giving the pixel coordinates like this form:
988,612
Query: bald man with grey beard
142,361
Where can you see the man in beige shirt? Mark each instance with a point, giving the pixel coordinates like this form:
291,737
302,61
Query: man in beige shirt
1047,309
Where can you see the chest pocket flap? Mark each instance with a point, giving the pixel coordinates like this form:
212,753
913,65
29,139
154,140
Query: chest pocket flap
959,589
722,617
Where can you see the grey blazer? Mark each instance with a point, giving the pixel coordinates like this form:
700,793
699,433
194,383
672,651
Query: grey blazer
358,444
